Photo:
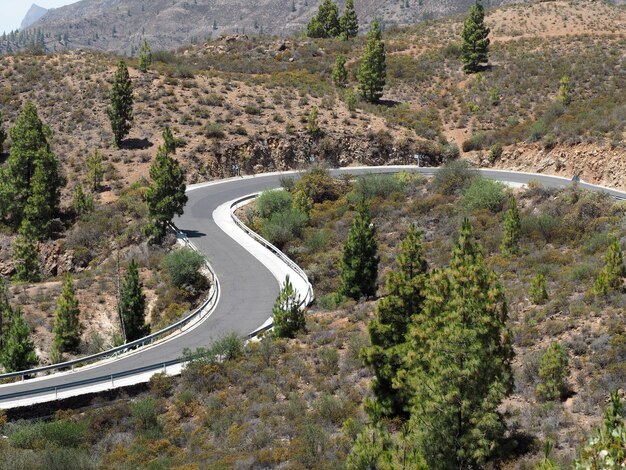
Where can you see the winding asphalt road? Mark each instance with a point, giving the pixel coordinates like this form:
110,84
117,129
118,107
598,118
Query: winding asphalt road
248,289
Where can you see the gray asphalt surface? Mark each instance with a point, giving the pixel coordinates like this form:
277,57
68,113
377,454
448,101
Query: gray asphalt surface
248,289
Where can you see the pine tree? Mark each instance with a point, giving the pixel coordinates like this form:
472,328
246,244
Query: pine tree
372,73
133,305
388,330
339,73
349,22
359,263
611,277
553,372
121,110
31,167
475,45
326,23
25,254
95,171
605,449
166,194
313,126
287,315
169,142
66,320
371,450
538,290
5,312
3,135
45,194
460,357
512,231
82,202
302,203
19,350
375,449
564,97
145,57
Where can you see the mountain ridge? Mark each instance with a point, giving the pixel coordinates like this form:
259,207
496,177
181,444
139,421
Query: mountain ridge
34,13
112,25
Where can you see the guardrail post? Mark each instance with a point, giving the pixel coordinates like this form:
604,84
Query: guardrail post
56,393
165,368
112,383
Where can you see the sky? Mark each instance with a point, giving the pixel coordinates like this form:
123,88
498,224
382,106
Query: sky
12,12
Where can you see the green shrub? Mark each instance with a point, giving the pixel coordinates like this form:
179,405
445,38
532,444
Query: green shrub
371,186
495,152
477,141
271,202
183,267
145,413
284,226
48,434
318,185
484,193
213,130
454,177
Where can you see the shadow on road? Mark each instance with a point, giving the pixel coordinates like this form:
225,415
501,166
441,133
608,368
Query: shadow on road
193,233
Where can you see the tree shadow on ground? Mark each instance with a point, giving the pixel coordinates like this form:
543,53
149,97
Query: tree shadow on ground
388,103
137,144
193,233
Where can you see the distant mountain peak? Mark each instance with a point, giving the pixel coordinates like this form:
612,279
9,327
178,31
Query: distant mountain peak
34,13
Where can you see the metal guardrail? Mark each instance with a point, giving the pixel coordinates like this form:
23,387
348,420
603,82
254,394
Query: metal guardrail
309,297
89,360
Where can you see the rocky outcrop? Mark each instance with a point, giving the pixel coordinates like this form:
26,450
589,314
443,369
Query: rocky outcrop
259,155
594,164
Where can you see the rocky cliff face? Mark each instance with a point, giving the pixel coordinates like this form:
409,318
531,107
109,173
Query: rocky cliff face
34,14
120,25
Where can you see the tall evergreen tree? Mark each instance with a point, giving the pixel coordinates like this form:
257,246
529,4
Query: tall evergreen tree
166,195
145,56
133,305
5,312
45,194
67,318
19,350
538,292
553,373
25,254
372,74
326,23
3,135
611,277
359,263
460,353
339,73
95,171
405,294
82,203
169,142
475,40
30,168
512,231
564,95
349,22
287,315
121,110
